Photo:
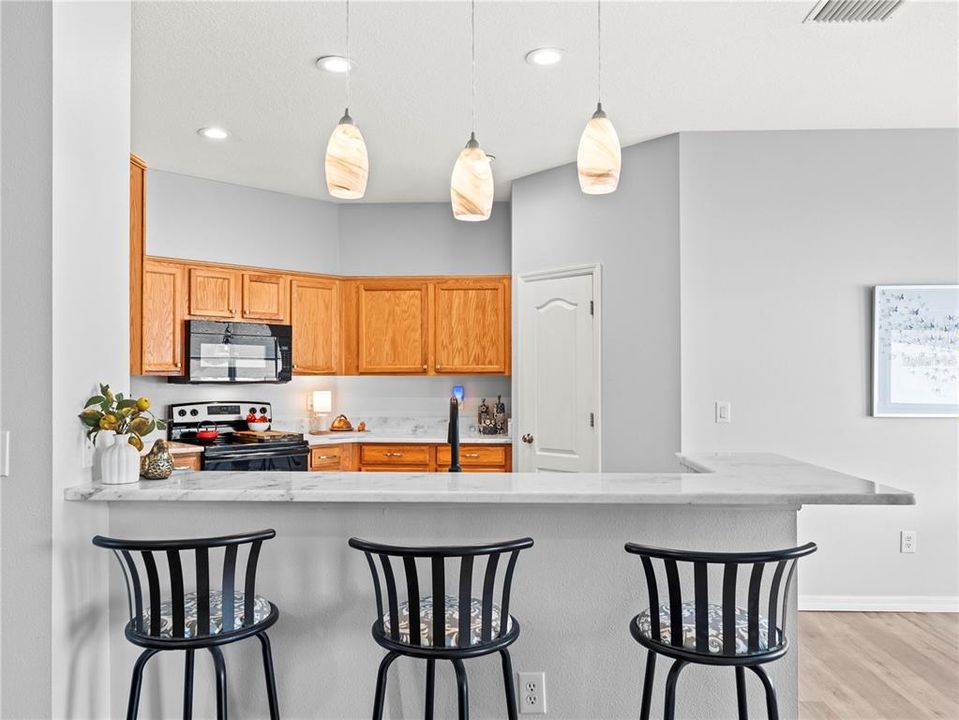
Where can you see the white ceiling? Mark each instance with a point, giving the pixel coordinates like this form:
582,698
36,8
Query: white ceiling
668,66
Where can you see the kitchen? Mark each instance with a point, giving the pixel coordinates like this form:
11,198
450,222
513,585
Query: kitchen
640,366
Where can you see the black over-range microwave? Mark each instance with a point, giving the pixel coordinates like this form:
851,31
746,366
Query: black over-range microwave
235,352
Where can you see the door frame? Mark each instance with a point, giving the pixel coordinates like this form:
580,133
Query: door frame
595,271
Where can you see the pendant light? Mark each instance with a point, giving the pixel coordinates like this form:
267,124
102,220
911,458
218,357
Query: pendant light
599,158
471,185
347,164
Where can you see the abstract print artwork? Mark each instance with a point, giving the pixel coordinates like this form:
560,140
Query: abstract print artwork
916,351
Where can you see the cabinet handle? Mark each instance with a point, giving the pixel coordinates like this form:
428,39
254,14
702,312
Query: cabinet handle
424,366
178,364
471,455
324,457
439,367
393,454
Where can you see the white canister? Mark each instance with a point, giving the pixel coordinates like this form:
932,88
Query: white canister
120,463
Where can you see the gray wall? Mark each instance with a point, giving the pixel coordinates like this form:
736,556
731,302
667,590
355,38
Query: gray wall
634,234
421,239
25,356
200,219
784,234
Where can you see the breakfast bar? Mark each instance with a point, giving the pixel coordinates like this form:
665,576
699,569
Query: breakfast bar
580,638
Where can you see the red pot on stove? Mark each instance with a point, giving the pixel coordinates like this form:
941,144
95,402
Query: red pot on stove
207,431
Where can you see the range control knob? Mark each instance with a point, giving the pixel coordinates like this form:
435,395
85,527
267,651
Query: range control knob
252,411
262,411
181,412
194,412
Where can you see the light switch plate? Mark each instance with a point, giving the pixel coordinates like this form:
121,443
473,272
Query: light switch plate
724,411
5,453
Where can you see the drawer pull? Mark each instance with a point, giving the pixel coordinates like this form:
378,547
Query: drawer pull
393,454
471,455
324,457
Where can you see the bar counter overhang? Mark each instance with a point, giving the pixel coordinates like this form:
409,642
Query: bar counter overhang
574,592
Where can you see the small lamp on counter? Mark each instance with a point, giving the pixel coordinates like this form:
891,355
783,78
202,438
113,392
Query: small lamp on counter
321,406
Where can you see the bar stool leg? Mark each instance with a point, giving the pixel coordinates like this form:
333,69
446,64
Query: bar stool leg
648,685
511,713
136,683
670,712
270,676
430,687
772,706
462,691
380,696
188,686
741,693
220,667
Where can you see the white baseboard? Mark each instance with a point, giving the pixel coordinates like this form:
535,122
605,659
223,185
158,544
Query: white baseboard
880,603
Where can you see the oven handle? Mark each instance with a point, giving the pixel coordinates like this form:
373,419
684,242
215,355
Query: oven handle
263,454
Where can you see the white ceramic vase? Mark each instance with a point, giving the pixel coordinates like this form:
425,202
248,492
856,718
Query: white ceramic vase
120,463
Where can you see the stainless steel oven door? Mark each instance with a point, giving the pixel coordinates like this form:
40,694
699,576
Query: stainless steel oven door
292,460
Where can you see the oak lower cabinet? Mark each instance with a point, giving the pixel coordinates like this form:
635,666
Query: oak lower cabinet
314,315
186,461
477,458
213,293
396,458
265,297
325,458
163,310
472,326
392,327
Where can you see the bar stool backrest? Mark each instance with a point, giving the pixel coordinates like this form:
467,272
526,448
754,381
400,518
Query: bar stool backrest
498,560
167,582
771,598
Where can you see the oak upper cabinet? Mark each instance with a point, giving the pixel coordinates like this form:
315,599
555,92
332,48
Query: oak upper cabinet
472,326
314,315
213,293
162,326
137,237
264,296
392,326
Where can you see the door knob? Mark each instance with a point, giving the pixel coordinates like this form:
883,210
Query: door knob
527,438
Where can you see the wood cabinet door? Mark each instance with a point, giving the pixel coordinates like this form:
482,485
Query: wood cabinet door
162,318
212,293
392,327
264,296
137,201
472,326
314,314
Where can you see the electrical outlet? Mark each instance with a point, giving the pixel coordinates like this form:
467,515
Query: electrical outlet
724,411
532,693
907,541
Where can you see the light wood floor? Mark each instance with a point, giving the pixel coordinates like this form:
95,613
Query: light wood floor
878,666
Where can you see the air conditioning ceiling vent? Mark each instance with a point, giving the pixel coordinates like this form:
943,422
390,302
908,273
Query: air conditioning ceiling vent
844,11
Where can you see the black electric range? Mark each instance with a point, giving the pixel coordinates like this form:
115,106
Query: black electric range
231,449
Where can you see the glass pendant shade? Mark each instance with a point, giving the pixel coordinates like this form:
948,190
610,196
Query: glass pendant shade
347,164
599,157
471,186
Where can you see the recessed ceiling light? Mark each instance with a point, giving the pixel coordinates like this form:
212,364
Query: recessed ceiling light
544,56
213,133
334,63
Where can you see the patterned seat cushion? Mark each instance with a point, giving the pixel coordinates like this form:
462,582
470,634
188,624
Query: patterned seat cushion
452,624
261,610
714,628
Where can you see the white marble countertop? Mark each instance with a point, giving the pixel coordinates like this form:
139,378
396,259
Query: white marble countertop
429,438
717,479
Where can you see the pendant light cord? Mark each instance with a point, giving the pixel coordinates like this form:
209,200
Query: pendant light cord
349,58
599,52
473,66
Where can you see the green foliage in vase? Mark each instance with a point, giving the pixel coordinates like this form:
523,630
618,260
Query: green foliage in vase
126,416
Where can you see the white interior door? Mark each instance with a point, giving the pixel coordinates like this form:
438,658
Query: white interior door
557,419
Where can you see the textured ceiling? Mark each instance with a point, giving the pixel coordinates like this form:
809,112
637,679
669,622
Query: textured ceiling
668,66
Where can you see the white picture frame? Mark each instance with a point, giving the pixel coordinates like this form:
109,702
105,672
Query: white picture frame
915,339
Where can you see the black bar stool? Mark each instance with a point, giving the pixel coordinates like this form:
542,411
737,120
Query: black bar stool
163,616
438,626
715,634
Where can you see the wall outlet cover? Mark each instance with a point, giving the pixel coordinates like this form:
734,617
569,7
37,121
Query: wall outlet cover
532,693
